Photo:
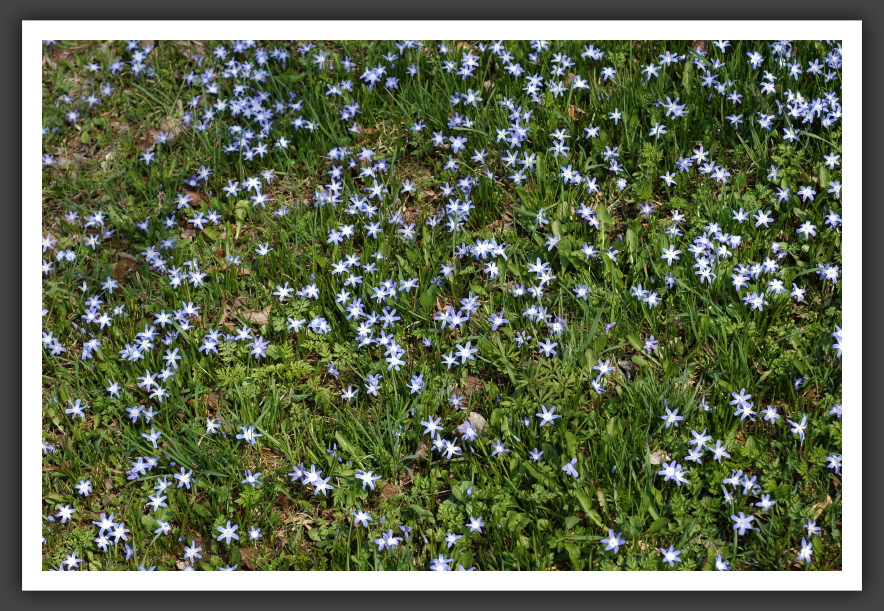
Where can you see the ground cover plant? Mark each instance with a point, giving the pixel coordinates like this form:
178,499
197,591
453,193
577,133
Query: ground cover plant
485,305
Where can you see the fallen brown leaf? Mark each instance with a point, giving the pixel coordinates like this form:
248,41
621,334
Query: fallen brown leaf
213,398
302,519
820,507
196,197
123,268
248,557
389,490
658,456
172,126
146,142
228,316
258,317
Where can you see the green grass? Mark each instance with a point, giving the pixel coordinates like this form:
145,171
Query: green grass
537,517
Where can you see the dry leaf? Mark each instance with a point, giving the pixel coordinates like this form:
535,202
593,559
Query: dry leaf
658,456
302,519
67,159
423,451
234,309
228,318
258,317
146,142
575,112
503,221
172,126
820,507
196,197
123,268
389,490
105,164
121,254
212,399
248,557
188,234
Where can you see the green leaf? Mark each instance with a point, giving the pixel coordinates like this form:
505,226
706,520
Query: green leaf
150,522
241,209
584,500
516,521
725,385
633,341
595,517
601,496
687,77
202,509
540,477
658,524
420,512
580,538
345,443
235,556
571,443
632,242
428,298
606,221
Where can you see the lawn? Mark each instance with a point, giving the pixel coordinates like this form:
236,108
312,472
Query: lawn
497,305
